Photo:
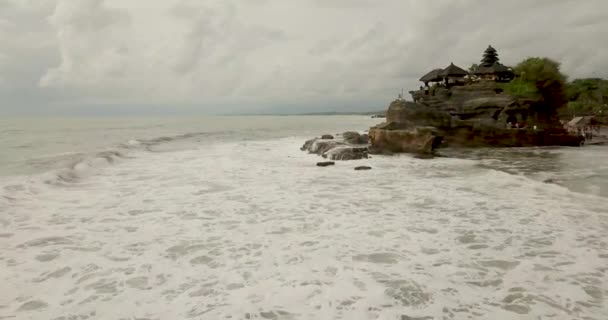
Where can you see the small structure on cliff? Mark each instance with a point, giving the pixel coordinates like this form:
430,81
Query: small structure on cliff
491,69
453,75
449,76
432,76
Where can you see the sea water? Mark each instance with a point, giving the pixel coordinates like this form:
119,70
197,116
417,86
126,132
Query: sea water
225,218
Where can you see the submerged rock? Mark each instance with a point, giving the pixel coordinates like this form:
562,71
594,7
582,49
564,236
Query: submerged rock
359,168
325,163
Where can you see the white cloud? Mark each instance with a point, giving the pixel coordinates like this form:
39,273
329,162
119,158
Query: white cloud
251,55
93,42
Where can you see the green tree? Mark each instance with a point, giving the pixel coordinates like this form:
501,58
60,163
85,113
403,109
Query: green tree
545,74
521,89
588,95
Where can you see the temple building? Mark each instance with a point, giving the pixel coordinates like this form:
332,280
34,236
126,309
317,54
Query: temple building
453,75
450,76
491,69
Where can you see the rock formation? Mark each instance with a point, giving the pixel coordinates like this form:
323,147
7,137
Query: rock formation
472,115
409,127
348,146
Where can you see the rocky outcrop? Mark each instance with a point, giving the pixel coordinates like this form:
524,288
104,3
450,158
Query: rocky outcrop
417,140
478,115
410,127
348,146
409,114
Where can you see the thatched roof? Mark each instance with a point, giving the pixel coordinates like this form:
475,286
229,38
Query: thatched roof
453,71
432,76
496,68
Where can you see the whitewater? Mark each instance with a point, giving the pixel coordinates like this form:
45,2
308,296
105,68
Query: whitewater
225,218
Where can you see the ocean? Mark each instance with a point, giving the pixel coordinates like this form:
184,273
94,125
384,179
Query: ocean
225,218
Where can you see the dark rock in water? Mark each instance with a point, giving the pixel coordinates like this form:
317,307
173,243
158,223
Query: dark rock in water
363,168
551,181
339,149
325,163
347,153
327,136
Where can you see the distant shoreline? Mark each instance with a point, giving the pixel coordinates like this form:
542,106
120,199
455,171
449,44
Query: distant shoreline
368,113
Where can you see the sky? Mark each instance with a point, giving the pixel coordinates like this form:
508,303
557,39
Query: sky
148,57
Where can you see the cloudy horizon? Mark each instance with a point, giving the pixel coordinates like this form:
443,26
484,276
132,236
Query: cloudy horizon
105,57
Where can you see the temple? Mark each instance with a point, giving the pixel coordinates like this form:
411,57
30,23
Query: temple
470,108
490,69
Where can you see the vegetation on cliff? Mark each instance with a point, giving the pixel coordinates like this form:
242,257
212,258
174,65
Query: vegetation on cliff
543,74
587,96
541,77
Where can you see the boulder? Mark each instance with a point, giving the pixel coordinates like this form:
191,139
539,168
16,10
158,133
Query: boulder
363,168
327,136
325,163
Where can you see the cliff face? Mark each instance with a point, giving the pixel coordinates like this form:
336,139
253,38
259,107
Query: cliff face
418,140
470,115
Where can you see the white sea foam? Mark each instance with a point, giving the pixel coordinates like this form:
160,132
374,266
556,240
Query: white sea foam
255,230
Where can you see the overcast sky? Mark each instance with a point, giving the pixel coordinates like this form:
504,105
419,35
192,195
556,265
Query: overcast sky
249,56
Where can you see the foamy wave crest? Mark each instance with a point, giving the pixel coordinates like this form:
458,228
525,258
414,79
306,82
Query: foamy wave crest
71,167
84,167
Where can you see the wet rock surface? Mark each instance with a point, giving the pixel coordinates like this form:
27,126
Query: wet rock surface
474,115
348,146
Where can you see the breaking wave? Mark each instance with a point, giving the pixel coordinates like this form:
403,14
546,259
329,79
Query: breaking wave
67,168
